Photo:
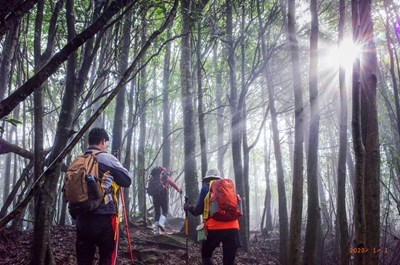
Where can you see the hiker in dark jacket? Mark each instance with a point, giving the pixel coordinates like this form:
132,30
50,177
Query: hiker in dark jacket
225,232
160,200
99,227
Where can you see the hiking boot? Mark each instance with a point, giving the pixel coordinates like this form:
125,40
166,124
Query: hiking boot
156,227
161,223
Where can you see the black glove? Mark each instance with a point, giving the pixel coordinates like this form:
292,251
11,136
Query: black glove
188,207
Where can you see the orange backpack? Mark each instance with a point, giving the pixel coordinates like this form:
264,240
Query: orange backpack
222,203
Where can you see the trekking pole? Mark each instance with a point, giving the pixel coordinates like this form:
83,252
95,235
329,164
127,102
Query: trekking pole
187,231
126,224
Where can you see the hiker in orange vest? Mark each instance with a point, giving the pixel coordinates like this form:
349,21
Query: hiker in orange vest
226,232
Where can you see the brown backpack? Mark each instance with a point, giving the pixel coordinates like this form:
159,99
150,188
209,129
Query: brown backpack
82,189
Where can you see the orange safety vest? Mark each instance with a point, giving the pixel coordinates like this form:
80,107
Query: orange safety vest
212,224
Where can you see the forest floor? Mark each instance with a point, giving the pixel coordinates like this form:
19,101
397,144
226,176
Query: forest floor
148,248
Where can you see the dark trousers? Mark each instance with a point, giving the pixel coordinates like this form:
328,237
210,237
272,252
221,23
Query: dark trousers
230,242
95,230
160,202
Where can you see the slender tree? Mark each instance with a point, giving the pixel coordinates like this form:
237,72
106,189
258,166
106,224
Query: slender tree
121,97
6,56
313,213
200,103
141,181
41,253
236,118
166,152
359,150
341,176
297,193
370,132
191,178
283,215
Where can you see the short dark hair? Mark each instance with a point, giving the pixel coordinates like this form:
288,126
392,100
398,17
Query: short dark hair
96,135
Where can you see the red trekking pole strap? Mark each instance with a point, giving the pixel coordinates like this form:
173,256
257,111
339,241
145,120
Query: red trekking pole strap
126,224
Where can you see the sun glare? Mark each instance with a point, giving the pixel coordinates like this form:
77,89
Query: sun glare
344,55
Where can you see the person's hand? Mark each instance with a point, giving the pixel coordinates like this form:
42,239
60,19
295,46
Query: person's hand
187,207
181,191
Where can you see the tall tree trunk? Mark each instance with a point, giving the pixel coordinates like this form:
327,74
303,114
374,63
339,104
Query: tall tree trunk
166,151
235,120
120,100
132,120
359,151
201,115
141,182
189,138
219,90
220,111
370,132
341,176
38,251
243,129
7,170
282,204
313,213
103,66
6,56
267,215
297,194
41,252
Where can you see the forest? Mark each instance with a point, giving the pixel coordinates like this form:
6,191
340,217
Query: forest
295,101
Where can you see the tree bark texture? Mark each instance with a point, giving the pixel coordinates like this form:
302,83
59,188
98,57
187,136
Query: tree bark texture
141,182
243,129
220,112
6,56
41,252
189,137
359,151
313,212
297,194
370,132
166,151
201,115
121,98
11,12
341,177
282,204
236,119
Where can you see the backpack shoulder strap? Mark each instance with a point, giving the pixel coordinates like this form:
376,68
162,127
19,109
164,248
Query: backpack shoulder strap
206,211
96,152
